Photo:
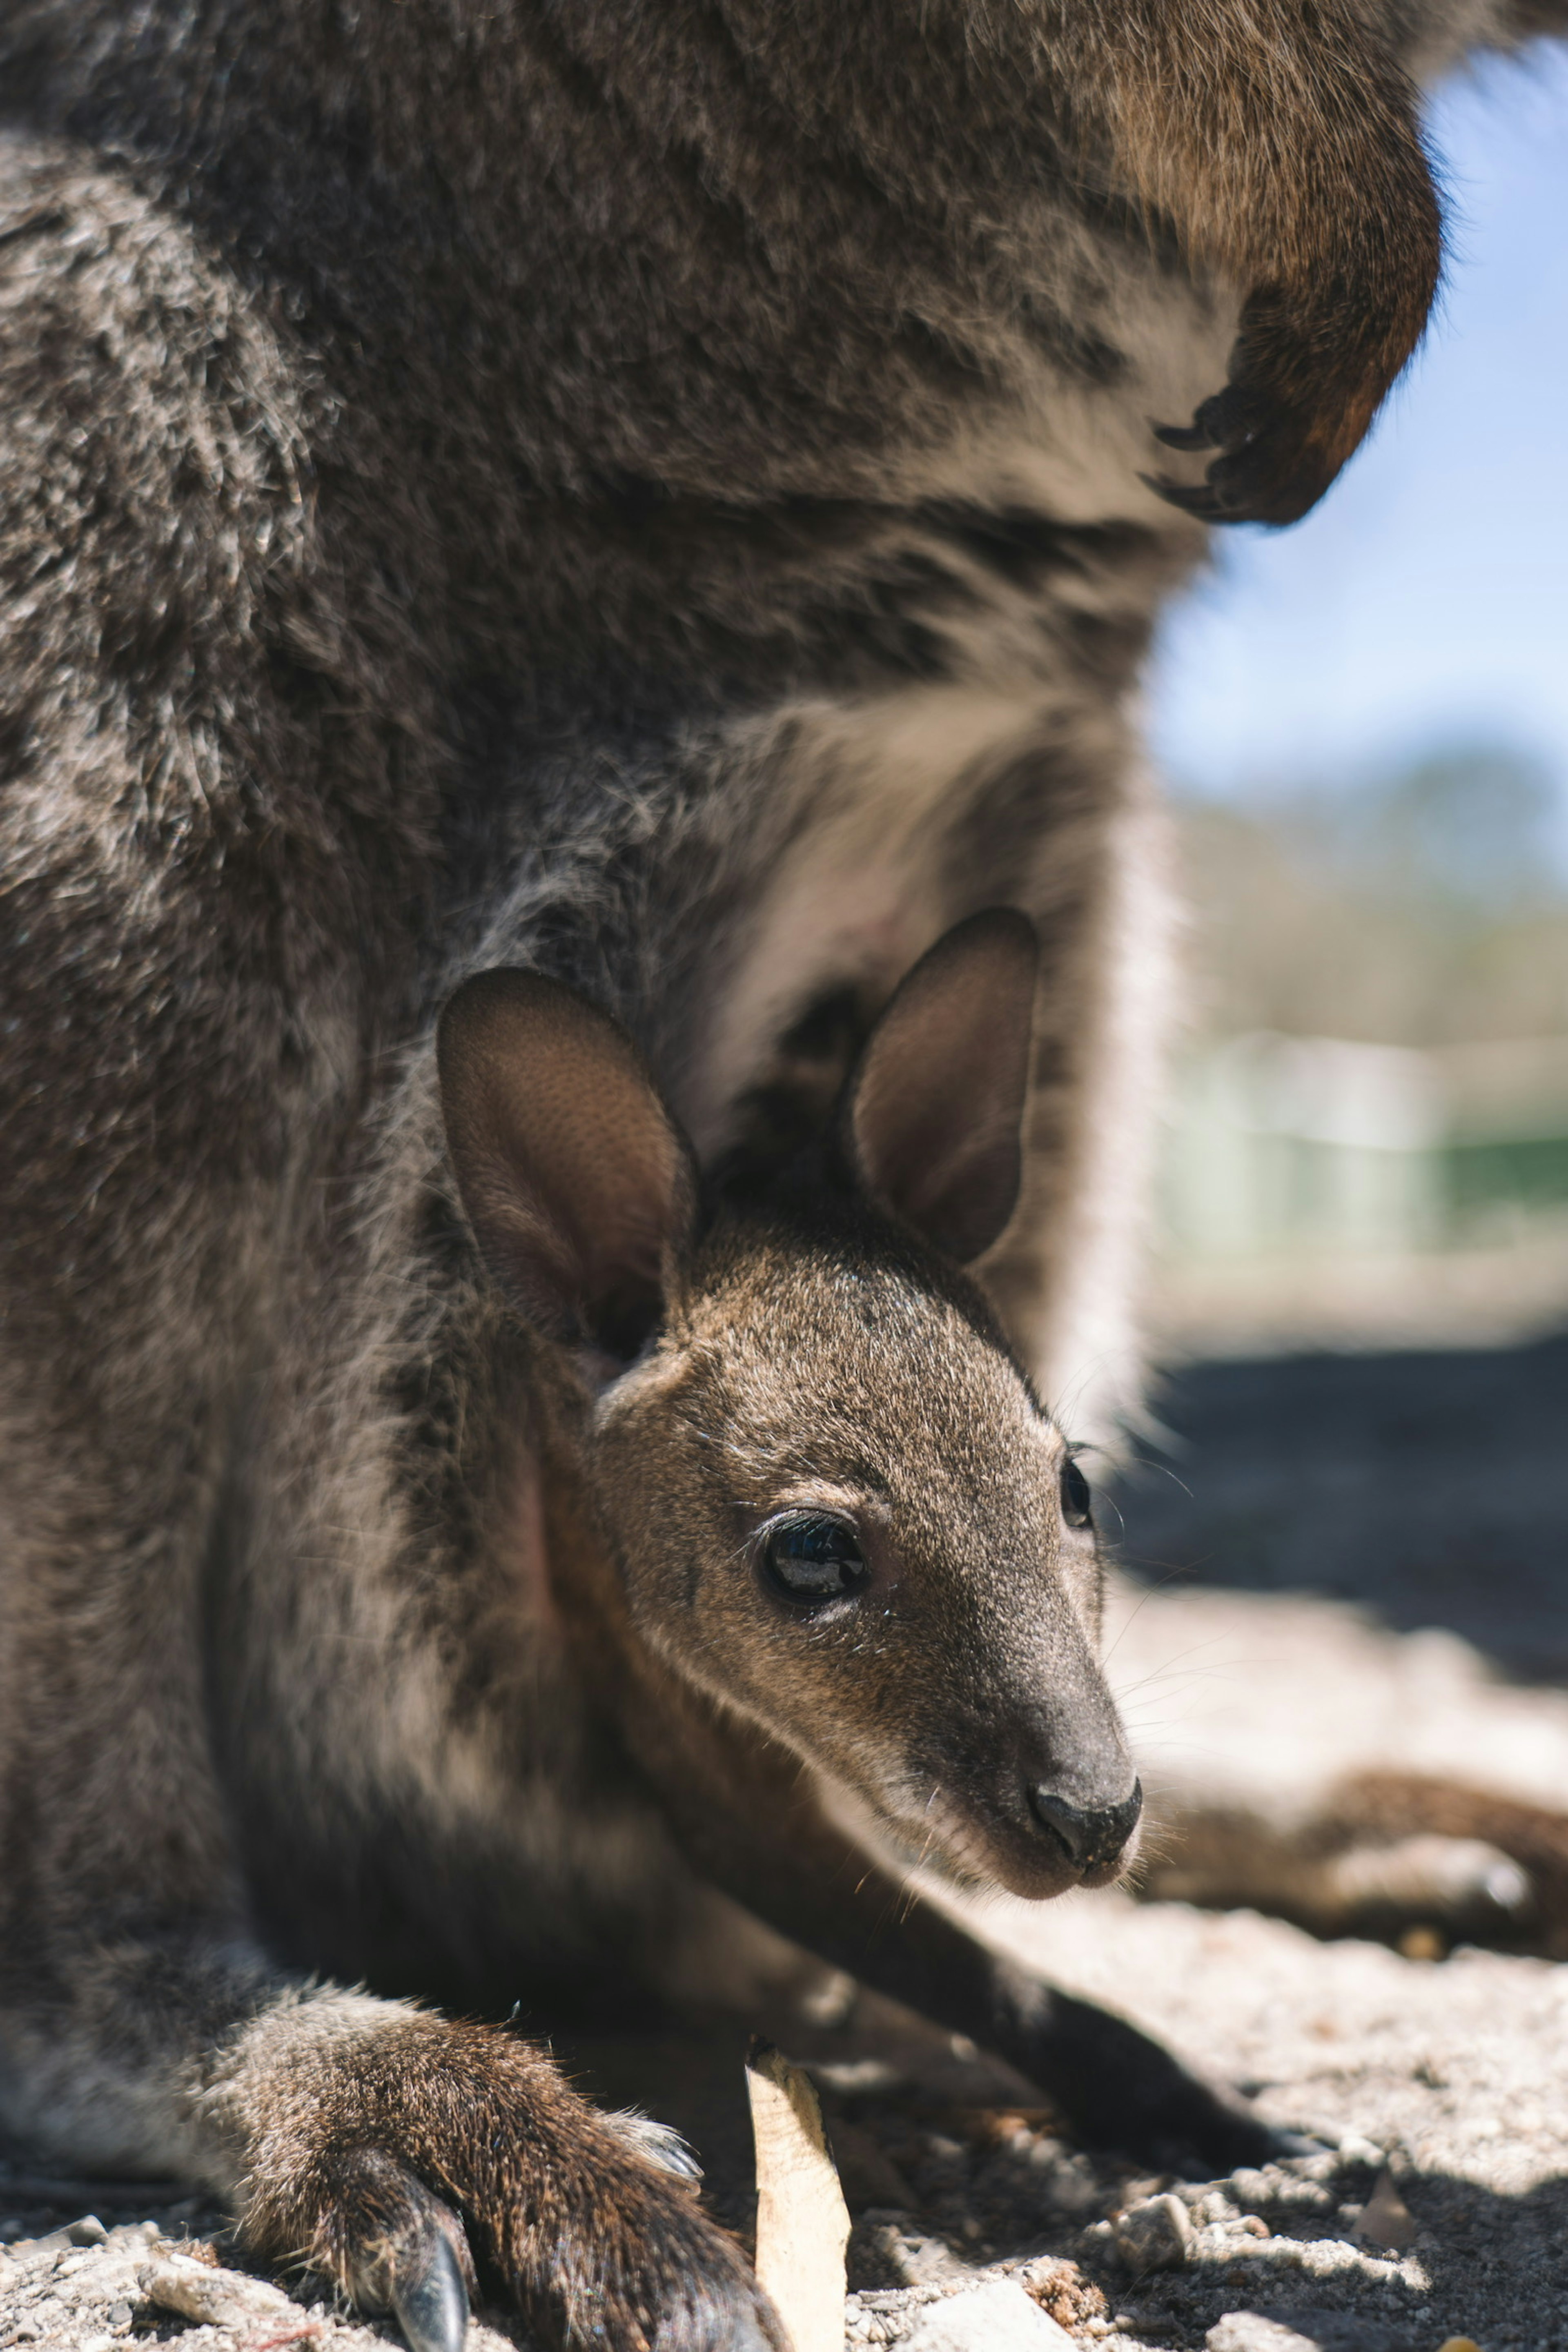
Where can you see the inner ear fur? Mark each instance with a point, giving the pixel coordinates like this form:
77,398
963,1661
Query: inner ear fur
576,1179
934,1111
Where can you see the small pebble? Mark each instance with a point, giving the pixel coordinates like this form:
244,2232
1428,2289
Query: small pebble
1155,2235
1245,2331
26,2249
214,2298
996,2317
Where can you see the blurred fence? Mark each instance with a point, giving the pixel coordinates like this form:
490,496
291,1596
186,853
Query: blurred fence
1315,1188
1319,1144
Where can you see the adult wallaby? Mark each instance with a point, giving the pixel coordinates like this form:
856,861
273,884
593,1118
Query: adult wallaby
653,500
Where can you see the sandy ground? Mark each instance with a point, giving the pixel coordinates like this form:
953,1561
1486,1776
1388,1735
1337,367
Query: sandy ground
1452,2077
1427,1487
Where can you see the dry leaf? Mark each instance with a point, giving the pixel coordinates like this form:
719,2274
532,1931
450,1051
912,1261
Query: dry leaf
1386,2219
802,2223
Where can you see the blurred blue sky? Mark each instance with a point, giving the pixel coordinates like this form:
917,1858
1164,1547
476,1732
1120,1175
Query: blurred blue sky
1425,603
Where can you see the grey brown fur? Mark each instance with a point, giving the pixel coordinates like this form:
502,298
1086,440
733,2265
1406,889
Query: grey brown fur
653,495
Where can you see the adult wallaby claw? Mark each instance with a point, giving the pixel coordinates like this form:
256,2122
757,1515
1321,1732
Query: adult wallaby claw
1192,498
1185,437
427,2294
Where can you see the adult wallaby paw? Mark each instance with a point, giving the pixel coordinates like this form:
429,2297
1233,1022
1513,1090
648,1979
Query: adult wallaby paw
1301,398
380,2151
1320,342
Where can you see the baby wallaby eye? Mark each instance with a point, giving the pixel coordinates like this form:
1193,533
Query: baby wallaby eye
1077,1503
809,1558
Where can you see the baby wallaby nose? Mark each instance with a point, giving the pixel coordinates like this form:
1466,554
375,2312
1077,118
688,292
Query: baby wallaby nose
1093,1835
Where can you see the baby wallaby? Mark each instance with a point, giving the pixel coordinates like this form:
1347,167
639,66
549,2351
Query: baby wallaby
800,1562
829,1527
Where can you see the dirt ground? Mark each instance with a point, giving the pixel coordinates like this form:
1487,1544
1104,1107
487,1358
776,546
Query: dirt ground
1430,1488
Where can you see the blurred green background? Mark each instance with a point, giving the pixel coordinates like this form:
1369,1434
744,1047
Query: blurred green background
1365,721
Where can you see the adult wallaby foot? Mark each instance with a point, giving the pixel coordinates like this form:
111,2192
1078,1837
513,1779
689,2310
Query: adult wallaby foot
386,2148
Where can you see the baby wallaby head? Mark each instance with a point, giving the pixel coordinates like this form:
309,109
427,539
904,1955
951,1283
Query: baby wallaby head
834,1501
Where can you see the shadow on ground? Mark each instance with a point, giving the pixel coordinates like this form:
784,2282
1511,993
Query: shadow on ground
1433,1487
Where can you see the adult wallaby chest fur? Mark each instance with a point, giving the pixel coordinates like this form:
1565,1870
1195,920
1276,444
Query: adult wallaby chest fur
652,499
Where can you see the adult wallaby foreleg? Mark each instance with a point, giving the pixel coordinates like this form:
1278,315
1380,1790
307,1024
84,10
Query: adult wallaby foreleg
1276,146
377,2144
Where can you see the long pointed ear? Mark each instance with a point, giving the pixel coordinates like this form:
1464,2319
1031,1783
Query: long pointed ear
933,1111
578,1182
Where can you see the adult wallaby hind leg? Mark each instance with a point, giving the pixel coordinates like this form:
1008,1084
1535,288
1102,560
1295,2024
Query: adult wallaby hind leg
210,889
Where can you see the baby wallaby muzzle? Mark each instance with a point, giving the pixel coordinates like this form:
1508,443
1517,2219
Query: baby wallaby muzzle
1093,1837
1053,1797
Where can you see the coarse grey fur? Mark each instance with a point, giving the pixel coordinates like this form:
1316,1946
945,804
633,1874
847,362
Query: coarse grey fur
654,495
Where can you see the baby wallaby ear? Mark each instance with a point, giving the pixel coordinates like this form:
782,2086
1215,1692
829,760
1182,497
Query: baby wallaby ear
933,1110
576,1179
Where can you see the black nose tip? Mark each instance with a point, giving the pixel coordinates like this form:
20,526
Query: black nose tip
1093,1835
